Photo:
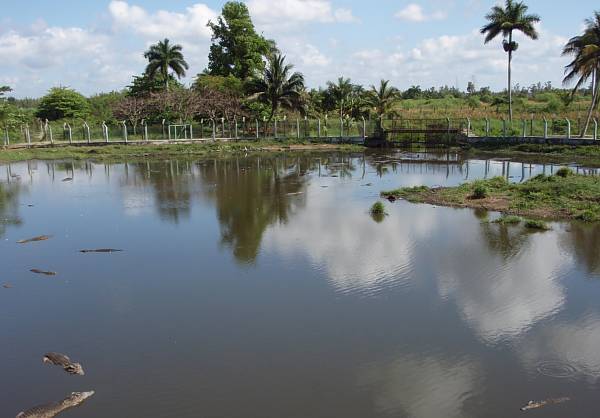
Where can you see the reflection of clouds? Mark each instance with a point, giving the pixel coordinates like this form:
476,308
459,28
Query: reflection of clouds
574,344
136,201
502,297
357,253
422,387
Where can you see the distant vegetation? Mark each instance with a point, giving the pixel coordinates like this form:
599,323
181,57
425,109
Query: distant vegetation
248,76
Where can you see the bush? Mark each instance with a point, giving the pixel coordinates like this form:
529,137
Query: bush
535,224
480,192
564,172
588,215
60,103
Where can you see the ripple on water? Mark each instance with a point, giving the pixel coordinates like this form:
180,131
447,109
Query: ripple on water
557,369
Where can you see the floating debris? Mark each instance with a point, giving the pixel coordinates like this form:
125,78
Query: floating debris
53,409
67,179
392,198
101,250
295,194
536,405
367,185
7,286
65,362
46,273
35,239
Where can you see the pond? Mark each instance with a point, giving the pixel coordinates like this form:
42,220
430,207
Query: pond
260,286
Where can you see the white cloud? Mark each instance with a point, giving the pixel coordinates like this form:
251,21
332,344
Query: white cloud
414,13
179,26
284,14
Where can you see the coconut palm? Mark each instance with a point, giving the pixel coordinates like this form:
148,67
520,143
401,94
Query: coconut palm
278,87
163,57
504,21
341,92
585,50
383,98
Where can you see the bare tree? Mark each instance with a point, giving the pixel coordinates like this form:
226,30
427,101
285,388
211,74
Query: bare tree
133,110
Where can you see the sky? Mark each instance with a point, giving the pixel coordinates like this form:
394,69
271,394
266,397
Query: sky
97,45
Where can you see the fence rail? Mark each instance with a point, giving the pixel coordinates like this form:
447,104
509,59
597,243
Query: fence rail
393,130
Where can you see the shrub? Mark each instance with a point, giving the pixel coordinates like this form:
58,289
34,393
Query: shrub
480,192
564,172
536,224
588,215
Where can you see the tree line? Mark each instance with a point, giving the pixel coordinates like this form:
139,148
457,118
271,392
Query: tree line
247,75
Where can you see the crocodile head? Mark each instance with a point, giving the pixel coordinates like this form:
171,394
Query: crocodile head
75,368
78,398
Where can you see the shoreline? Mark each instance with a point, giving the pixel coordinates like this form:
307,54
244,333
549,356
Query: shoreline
563,196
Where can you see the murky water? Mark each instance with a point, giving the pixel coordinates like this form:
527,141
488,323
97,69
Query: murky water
261,287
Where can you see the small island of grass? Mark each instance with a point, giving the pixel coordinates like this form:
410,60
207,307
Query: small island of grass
562,196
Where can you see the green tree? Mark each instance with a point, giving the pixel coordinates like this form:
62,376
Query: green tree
505,20
101,106
585,50
229,85
4,89
278,87
144,85
62,102
340,92
236,47
383,98
163,57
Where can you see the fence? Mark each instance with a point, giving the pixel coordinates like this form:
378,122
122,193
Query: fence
327,129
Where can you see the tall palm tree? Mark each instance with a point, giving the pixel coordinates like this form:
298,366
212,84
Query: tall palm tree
341,92
505,20
278,87
383,98
585,50
163,57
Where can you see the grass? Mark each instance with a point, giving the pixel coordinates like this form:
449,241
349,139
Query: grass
537,225
508,220
132,152
378,208
544,197
537,153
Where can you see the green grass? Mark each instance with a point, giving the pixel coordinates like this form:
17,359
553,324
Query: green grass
132,152
537,225
547,197
378,208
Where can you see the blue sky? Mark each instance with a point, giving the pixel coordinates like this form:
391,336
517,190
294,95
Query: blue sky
97,45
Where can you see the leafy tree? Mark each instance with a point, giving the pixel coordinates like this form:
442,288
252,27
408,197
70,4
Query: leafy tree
62,102
505,20
471,88
383,98
278,87
585,49
230,84
144,85
163,57
414,92
236,47
101,106
4,89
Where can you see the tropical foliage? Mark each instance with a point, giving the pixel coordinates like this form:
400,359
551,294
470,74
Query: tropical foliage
61,103
505,21
163,57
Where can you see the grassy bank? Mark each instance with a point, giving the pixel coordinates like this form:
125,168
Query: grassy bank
132,152
538,153
562,196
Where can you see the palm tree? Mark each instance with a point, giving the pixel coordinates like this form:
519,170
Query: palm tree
341,92
513,17
163,57
586,63
383,98
277,87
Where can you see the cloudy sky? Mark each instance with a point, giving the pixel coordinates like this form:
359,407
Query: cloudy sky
97,45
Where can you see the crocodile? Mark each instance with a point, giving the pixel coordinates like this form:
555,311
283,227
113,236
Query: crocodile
65,362
101,250
46,273
35,239
535,405
53,409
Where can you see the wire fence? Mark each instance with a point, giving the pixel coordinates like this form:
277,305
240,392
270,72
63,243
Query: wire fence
396,130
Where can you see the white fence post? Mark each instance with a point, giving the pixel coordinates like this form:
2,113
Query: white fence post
214,129
595,129
124,123
86,132
545,128
487,127
568,128
105,131
6,137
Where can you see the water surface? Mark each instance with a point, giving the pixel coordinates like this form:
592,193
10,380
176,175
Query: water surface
260,286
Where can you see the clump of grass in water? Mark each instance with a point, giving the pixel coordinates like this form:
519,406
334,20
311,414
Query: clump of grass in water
378,208
537,225
564,172
508,220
